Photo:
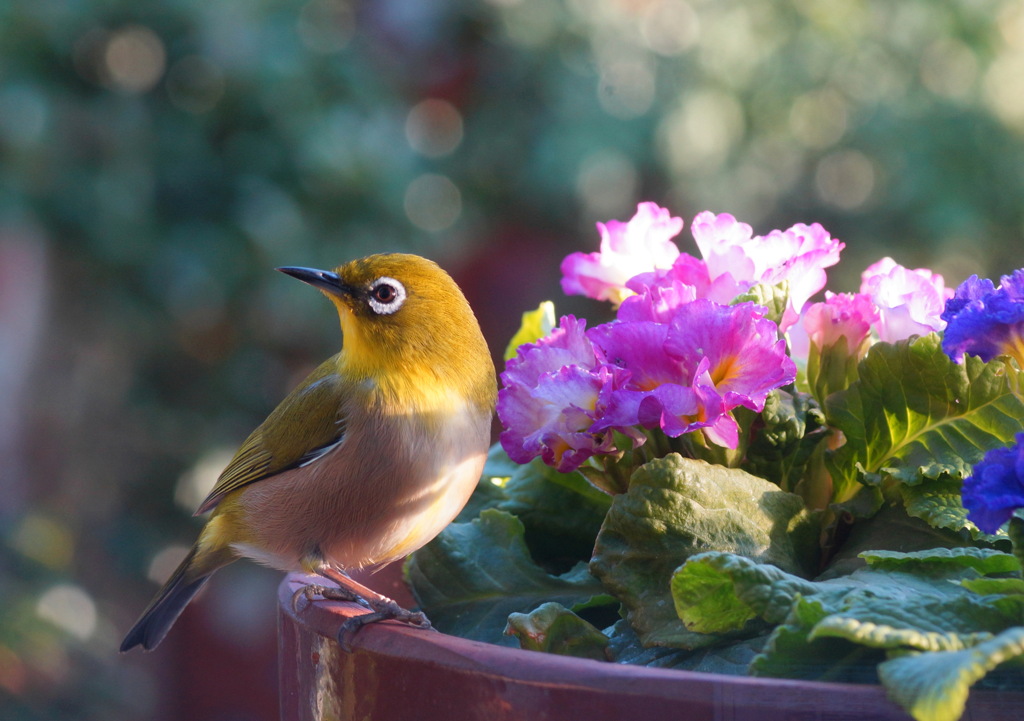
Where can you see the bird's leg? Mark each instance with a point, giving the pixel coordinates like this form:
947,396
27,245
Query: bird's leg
381,607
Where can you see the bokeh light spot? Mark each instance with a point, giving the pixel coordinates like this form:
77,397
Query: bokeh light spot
818,119
195,484
845,179
133,59
434,128
606,183
45,541
1003,89
433,202
669,27
949,69
69,608
700,134
165,562
626,87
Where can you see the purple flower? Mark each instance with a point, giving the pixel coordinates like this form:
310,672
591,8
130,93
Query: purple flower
688,374
660,391
996,488
553,392
986,321
627,249
553,418
909,301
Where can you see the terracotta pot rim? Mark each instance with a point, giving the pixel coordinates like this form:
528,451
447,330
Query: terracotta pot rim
428,666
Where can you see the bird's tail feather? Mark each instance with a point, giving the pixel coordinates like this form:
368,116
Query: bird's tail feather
170,601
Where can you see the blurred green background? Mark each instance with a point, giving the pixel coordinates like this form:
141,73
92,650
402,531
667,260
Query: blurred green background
158,160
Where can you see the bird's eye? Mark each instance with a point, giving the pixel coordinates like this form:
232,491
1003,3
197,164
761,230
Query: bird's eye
386,295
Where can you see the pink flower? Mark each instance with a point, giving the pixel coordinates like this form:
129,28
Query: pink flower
746,359
627,249
693,274
657,302
842,315
909,301
831,339
798,255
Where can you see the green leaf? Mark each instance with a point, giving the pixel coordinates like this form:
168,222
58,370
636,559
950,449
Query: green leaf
927,623
791,653
995,586
983,560
553,628
938,503
715,592
914,414
473,575
934,686
890,529
536,324
677,507
561,513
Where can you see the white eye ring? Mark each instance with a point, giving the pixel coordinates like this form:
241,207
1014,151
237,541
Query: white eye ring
380,300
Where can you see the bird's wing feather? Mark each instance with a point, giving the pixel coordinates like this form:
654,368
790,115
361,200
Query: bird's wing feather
308,423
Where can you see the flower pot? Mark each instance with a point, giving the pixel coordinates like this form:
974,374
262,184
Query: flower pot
396,672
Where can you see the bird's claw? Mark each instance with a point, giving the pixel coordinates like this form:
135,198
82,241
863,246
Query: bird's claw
382,610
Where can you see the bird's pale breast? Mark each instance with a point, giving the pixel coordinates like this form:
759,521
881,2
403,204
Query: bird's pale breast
393,484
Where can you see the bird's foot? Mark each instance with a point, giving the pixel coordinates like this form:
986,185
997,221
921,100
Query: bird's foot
381,608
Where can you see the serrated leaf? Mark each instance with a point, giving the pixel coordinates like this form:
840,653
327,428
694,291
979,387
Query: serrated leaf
473,575
983,560
938,502
677,507
552,628
927,623
934,686
914,414
790,652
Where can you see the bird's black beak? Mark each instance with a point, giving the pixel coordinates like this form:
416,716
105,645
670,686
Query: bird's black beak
324,280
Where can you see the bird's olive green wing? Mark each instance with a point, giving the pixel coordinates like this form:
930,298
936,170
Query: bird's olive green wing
307,424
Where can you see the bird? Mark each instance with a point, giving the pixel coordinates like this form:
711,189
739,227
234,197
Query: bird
368,458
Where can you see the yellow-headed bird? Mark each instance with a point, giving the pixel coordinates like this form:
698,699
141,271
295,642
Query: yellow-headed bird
370,457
